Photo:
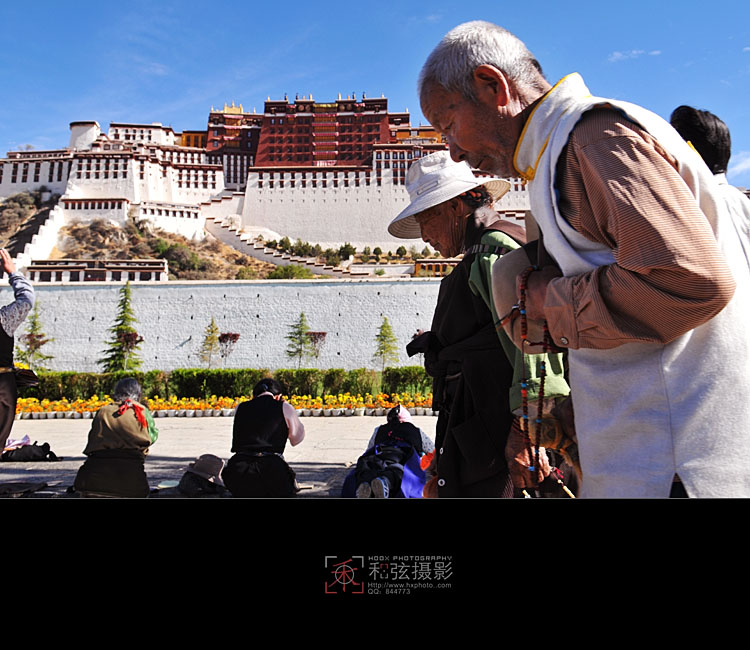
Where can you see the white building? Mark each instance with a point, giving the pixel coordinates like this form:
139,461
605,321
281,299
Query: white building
140,170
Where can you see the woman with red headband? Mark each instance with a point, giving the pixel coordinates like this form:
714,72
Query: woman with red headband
120,437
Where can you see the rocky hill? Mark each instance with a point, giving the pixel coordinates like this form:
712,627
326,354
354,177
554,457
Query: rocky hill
188,260
20,217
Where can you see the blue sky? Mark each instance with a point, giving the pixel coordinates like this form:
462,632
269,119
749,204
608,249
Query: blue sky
169,61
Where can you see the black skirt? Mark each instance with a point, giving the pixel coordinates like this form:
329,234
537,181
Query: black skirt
113,474
248,476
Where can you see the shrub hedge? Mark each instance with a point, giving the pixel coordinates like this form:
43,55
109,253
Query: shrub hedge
412,379
232,382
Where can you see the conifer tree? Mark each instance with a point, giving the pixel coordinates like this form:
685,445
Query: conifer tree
31,343
386,344
210,345
300,344
122,349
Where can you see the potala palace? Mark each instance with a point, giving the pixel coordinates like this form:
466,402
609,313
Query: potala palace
325,173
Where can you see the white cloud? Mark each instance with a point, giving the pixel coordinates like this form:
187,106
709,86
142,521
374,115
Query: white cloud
746,49
429,18
739,168
618,56
153,68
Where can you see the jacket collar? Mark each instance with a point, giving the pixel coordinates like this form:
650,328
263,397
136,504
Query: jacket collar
538,128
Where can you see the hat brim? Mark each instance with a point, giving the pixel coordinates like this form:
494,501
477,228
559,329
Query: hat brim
505,270
213,478
405,226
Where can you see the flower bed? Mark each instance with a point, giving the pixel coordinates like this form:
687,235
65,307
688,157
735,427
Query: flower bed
340,404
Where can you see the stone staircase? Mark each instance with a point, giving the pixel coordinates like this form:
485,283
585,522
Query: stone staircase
224,230
39,244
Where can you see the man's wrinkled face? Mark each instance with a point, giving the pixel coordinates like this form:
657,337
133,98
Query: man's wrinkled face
475,131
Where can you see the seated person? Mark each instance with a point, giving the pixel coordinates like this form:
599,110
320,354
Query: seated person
390,466
261,428
120,437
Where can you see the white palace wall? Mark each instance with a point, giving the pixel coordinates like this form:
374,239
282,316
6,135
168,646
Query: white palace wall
327,215
331,208
172,319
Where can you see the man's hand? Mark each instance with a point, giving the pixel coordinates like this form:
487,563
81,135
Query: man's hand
536,290
8,265
519,460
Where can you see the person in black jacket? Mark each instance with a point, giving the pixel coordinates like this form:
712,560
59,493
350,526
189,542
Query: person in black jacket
261,428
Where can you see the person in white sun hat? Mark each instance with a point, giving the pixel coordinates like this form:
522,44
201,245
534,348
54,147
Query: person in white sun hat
471,362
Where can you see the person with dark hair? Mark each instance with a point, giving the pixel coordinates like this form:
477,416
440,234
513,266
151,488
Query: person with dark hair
709,136
120,437
11,317
390,466
647,285
476,369
261,429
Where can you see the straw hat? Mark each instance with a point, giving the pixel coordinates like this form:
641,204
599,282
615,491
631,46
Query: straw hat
434,179
504,272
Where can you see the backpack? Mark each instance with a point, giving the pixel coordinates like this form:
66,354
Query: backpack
35,452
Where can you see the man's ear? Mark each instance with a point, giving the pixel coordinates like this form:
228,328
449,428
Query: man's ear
491,85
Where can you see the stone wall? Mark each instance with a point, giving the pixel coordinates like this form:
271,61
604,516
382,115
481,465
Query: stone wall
172,319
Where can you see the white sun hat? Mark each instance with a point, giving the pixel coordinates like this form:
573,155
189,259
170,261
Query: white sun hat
433,180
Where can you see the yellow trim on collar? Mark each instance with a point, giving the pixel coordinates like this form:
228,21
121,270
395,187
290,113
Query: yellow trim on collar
530,172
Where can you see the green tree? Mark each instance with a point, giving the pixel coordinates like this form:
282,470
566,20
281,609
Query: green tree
386,344
122,349
401,251
290,271
300,344
210,346
31,343
346,251
331,257
247,273
301,249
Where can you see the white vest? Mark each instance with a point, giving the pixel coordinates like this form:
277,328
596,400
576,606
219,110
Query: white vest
645,412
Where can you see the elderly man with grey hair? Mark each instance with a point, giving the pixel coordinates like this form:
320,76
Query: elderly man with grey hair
644,285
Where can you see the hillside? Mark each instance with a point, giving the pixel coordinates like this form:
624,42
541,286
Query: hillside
188,260
20,217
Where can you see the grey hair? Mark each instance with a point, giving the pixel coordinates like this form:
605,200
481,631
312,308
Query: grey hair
127,388
452,63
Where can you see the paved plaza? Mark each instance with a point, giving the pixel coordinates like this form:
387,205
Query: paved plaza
331,447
